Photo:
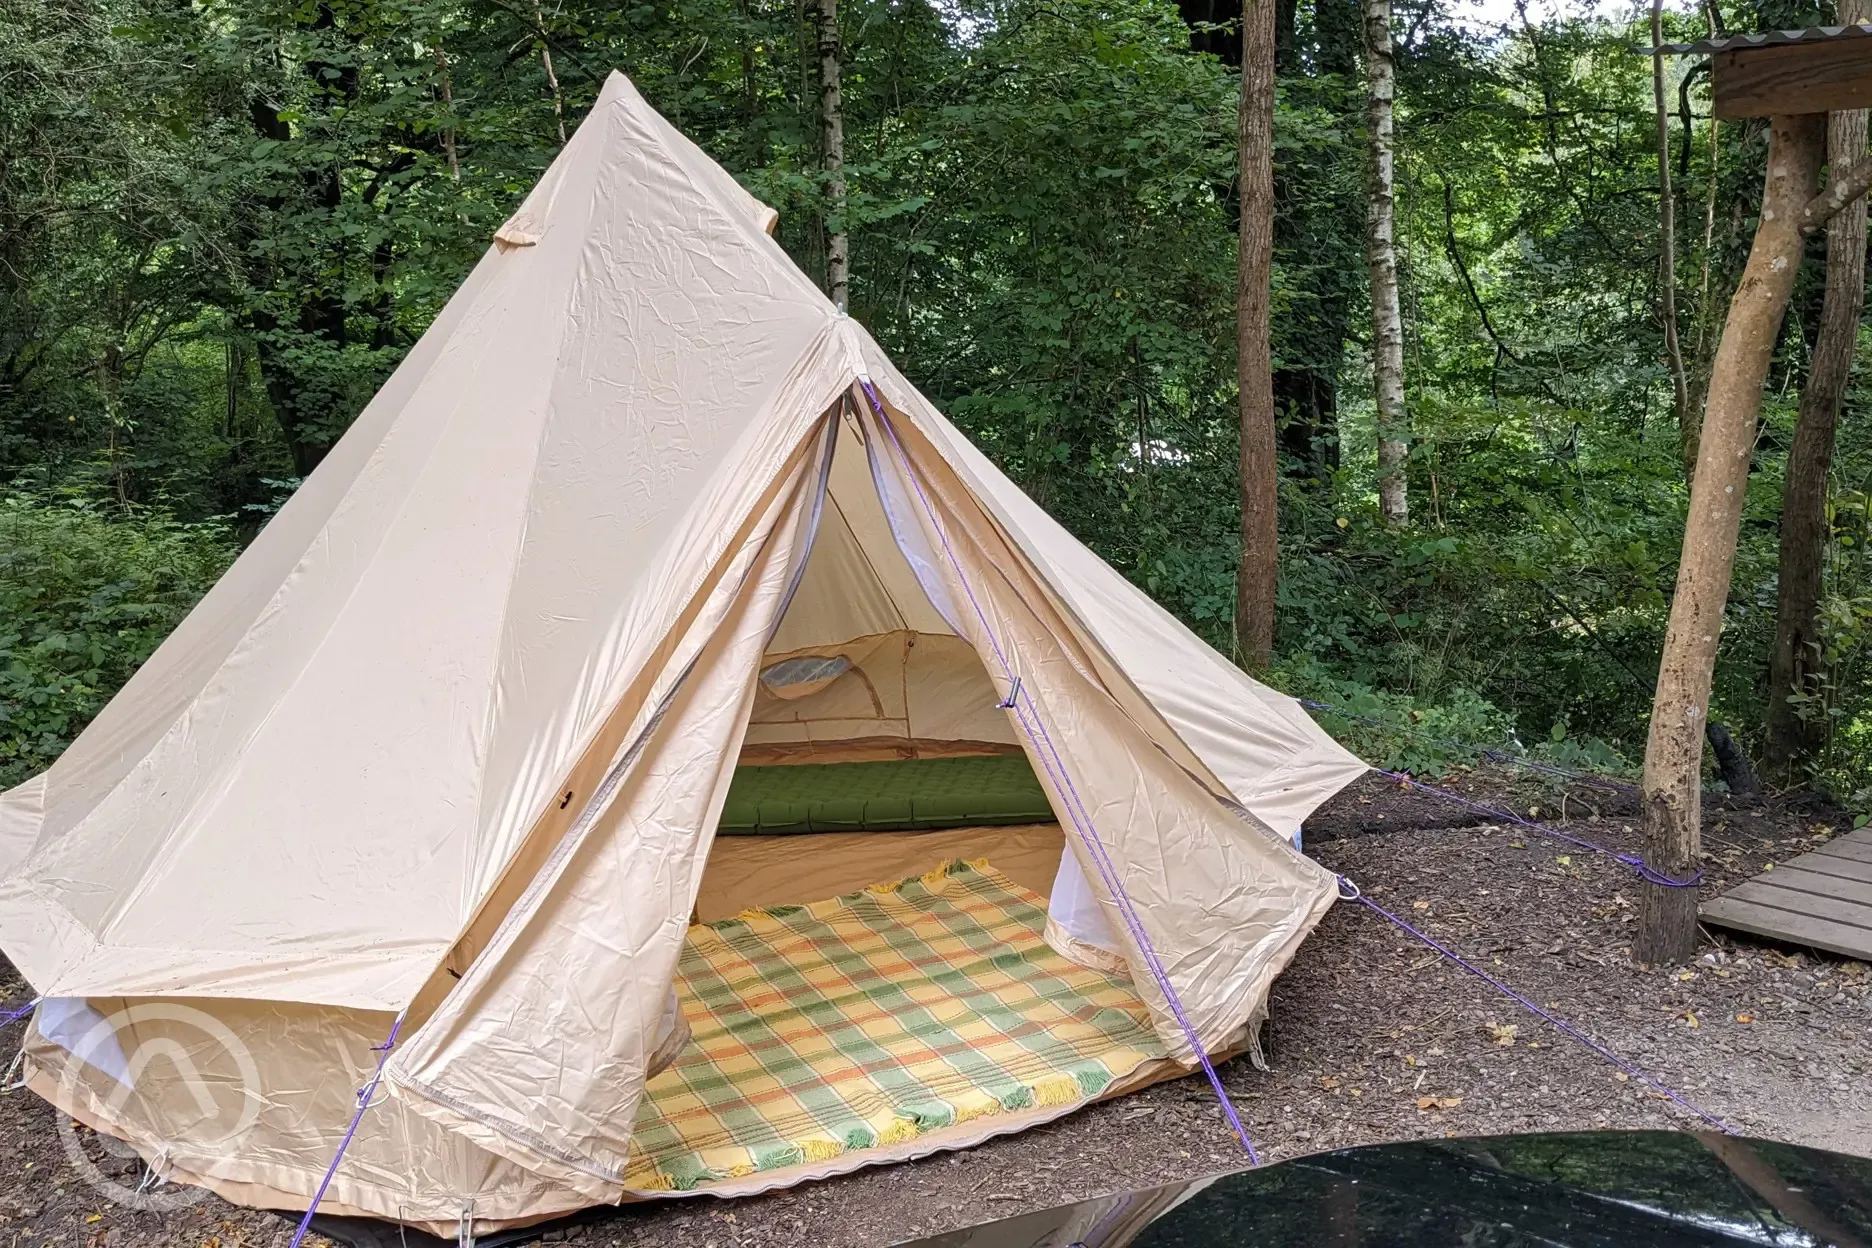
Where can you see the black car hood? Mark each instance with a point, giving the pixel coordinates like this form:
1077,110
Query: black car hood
1595,1189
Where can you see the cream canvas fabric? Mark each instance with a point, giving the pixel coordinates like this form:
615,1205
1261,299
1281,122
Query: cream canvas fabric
450,740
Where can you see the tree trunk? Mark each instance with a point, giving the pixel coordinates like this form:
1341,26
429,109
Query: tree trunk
1306,407
1381,260
1260,516
1680,707
1690,418
110,373
1667,231
750,90
1732,761
287,351
1211,24
832,151
1708,324
448,107
236,373
1689,421
1795,733
552,78
1317,219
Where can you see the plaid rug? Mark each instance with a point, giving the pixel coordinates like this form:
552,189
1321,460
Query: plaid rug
868,1020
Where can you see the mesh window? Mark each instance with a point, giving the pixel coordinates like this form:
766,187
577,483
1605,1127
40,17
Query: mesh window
802,677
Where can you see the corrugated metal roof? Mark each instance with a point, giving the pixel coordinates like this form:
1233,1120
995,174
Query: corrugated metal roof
1761,39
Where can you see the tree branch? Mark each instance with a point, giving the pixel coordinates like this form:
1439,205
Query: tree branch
1842,189
1667,225
1454,251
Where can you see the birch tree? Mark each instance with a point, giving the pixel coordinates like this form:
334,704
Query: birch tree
1381,261
832,156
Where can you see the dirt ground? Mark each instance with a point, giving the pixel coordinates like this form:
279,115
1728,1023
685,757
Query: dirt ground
1374,1038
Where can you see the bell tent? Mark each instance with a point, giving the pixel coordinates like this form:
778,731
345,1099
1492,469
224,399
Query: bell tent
662,721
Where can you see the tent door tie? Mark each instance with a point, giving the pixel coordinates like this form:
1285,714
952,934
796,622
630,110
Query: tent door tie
1014,692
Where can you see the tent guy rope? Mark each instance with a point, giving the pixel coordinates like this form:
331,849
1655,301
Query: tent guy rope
366,1097
1351,892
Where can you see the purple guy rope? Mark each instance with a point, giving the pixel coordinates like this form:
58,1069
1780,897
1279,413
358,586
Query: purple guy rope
1350,892
1055,766
15,1015
364,1096
1636,862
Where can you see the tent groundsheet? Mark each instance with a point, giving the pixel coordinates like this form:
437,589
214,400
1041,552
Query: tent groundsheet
829,1035
755,872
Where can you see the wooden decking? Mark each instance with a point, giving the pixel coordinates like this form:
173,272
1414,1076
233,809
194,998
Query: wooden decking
1822,899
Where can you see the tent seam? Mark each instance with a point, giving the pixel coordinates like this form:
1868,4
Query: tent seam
490,709
547,875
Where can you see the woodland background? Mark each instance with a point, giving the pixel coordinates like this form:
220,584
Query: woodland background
223,223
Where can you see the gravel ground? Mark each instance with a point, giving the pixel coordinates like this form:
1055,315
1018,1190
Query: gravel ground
1375,1038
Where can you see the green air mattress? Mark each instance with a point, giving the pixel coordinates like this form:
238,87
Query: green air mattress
920,793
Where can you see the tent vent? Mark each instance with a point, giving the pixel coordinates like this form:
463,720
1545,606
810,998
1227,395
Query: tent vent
520,230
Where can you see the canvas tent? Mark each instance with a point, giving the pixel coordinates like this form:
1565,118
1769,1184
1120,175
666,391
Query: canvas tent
449,742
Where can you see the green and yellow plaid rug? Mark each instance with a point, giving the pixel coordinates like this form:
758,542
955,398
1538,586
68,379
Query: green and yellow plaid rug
866,1021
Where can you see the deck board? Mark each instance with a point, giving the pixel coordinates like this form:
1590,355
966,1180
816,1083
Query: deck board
1822,899
1849,846
1820,884
1839,868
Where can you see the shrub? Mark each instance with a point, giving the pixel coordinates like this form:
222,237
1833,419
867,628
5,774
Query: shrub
86,595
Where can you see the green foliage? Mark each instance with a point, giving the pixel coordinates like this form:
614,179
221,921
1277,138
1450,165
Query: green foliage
222,225
1538,581
85,597
1390,730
